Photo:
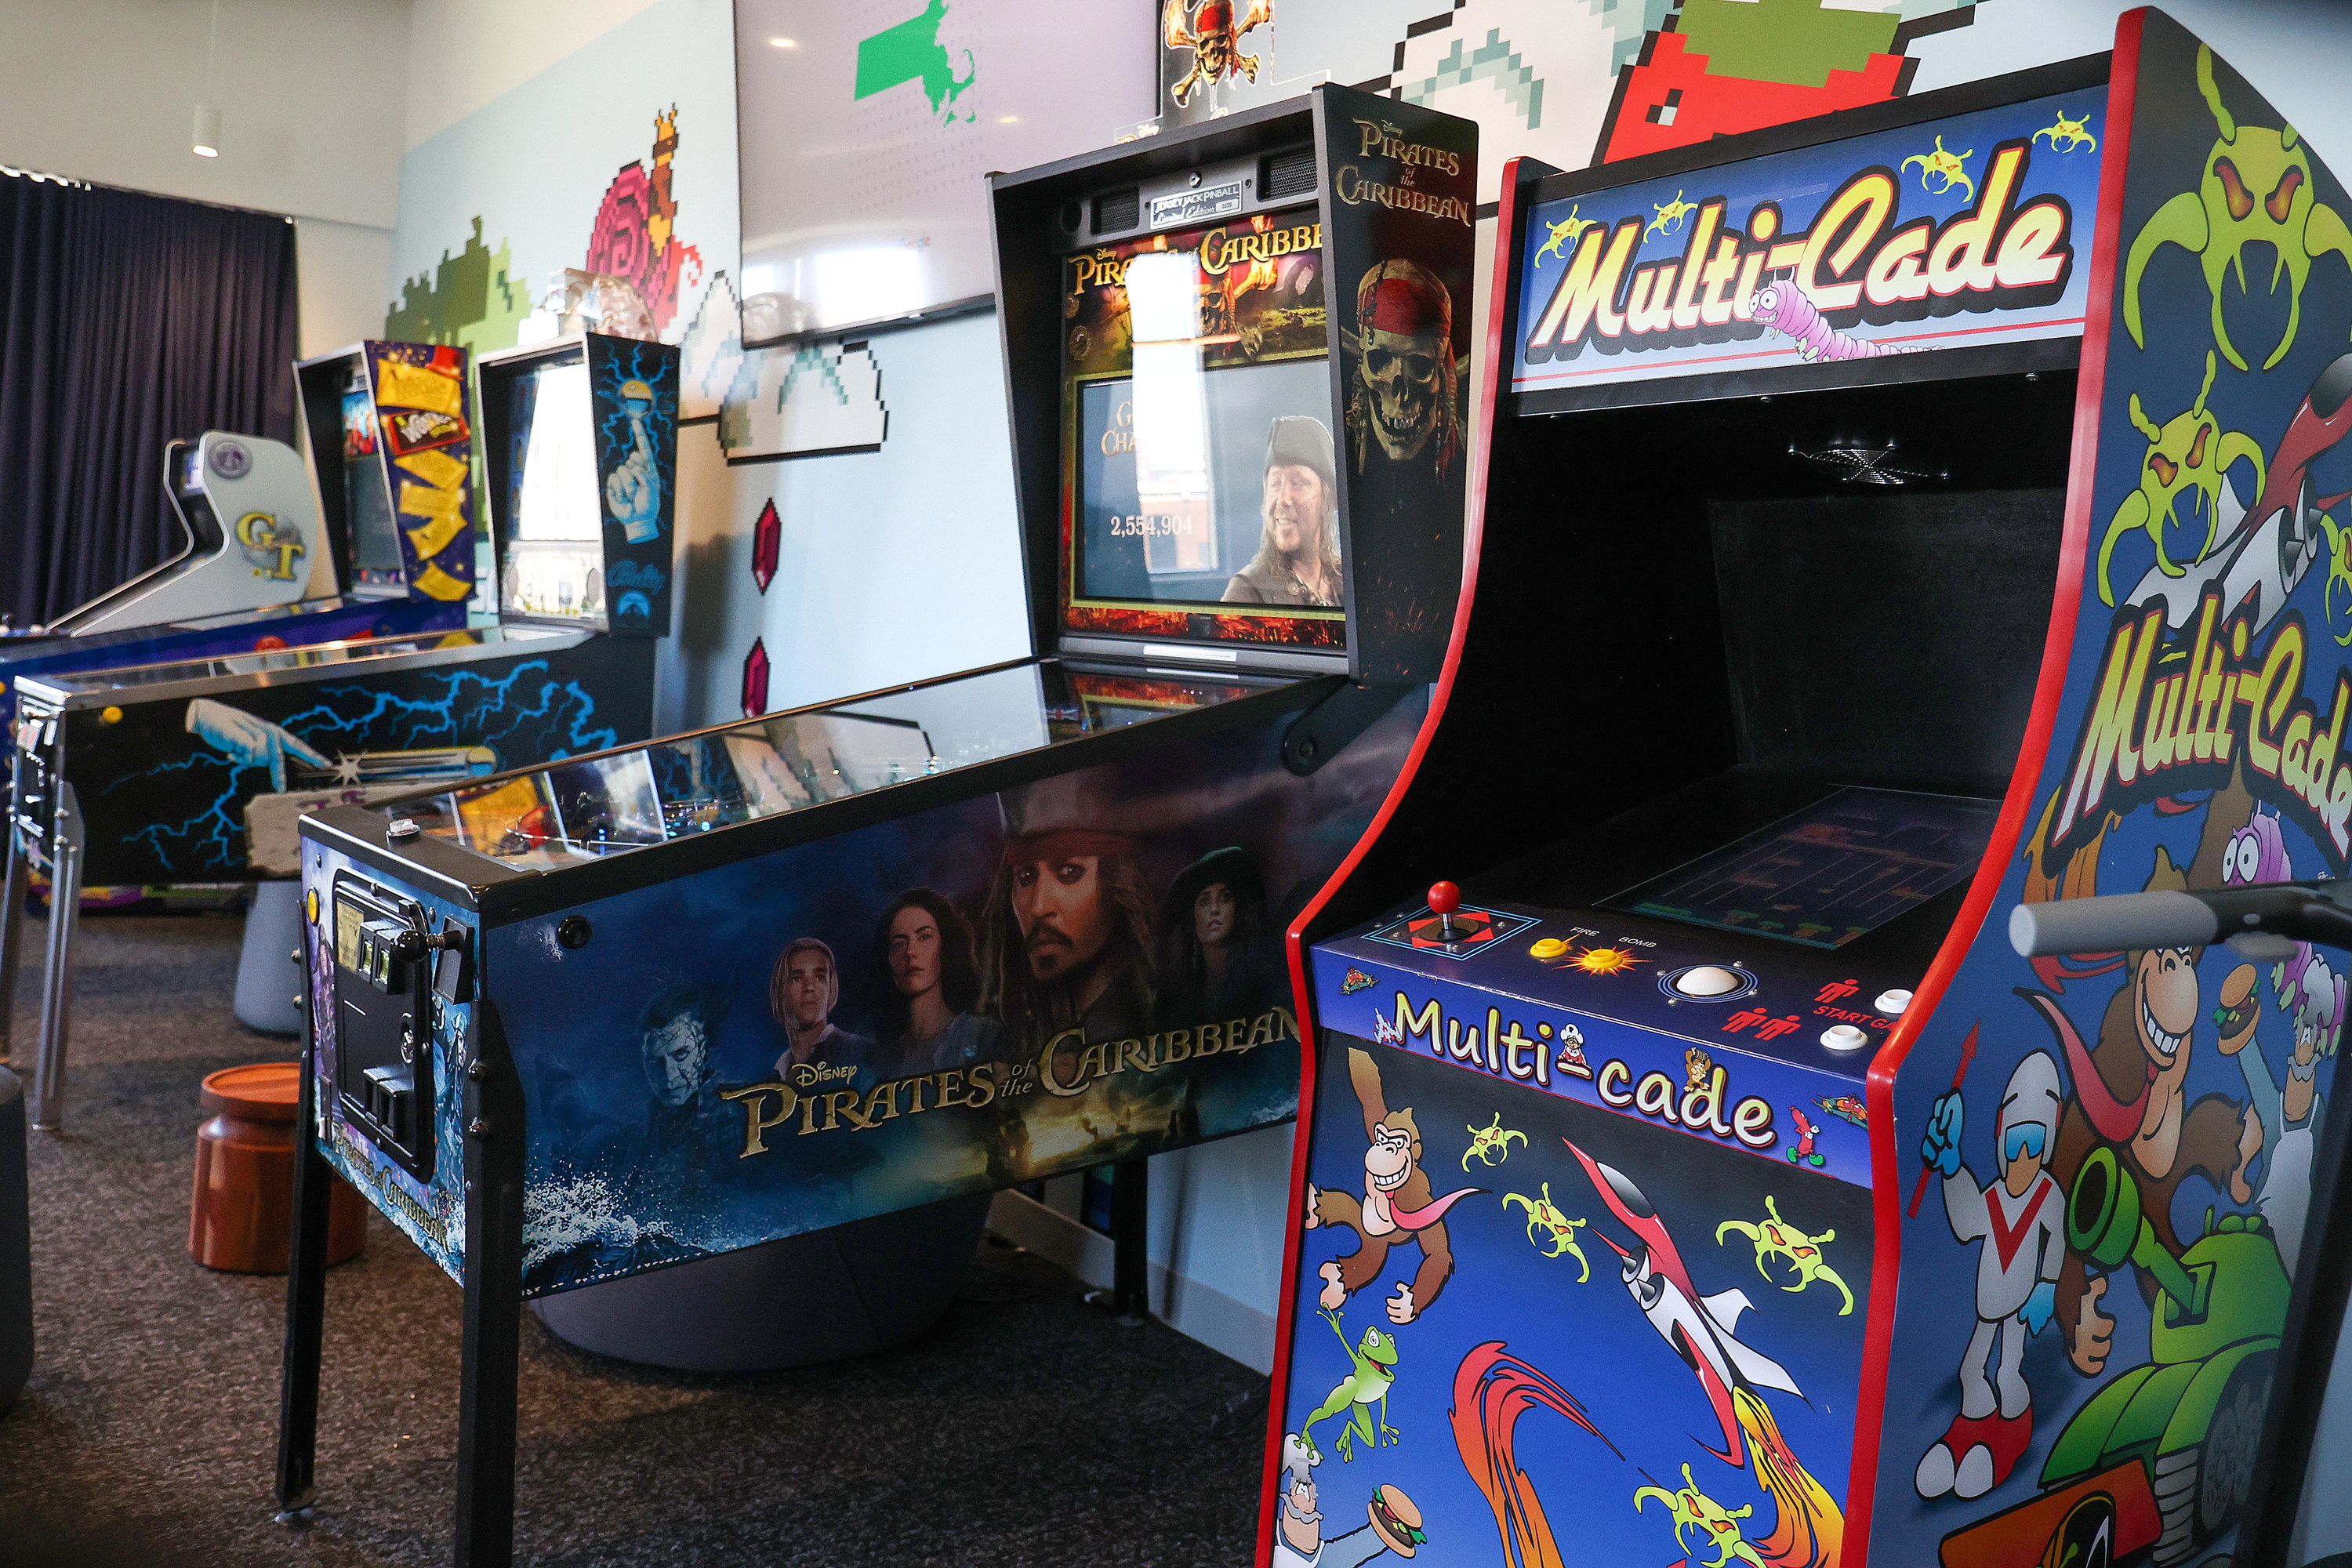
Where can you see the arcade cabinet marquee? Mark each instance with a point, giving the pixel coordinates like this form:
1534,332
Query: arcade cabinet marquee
1705,1175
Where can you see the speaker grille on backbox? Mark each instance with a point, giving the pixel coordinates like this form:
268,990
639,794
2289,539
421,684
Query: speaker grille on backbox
1116,210
1285,174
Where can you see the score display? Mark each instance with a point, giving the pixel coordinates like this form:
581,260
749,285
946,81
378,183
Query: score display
1201,462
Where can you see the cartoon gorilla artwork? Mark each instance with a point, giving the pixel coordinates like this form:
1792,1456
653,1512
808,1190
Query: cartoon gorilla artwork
1396,1210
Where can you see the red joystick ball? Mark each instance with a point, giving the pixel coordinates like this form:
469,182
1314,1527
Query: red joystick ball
1444,897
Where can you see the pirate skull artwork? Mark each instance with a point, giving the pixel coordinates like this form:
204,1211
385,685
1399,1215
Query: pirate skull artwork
1406,374
1214,36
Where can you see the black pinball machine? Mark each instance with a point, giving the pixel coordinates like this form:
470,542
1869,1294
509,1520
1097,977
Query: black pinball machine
198,770
656,1004
1903,520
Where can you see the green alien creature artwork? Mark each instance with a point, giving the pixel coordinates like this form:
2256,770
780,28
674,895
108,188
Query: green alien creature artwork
1939,171
2188,454
1716,1526
1564,232
1776,1237
1371,1374
1552,1231
2256,188
2067,135
1491,1143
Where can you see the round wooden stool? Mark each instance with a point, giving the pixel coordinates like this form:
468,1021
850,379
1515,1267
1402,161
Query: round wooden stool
241,1217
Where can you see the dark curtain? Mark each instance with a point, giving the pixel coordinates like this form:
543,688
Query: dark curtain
126,321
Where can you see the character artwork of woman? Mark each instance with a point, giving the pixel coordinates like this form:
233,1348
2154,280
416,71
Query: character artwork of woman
1211,964
923,1014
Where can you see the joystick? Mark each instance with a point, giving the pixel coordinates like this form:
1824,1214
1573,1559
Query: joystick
1444,897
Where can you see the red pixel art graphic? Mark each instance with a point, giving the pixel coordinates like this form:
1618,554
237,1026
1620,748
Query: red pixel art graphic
767,534
1718,67
755,679
635,235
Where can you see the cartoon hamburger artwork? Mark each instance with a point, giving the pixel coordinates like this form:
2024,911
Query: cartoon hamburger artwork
2238,1007
1392,1522
1396,1521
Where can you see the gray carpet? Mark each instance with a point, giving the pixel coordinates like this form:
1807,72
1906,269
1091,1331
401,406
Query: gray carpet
1026,1428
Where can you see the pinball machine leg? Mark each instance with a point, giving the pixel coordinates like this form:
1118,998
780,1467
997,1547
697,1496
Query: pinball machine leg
493,1339
13,887
1130,1229
306,1312
66,845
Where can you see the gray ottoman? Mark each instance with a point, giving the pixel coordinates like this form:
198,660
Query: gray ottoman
15,1247
830,1294
267,984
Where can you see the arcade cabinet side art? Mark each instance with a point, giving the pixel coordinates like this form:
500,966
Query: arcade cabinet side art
2158,1110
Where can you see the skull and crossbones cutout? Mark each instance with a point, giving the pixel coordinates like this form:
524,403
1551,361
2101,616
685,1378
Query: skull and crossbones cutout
1406,374
1214,37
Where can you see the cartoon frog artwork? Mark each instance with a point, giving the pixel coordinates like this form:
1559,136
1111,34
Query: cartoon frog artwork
1372,1372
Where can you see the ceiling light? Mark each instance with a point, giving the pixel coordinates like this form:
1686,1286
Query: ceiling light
207,142
1008,119
785,43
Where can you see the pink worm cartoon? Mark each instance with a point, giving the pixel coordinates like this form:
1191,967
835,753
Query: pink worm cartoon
1783,306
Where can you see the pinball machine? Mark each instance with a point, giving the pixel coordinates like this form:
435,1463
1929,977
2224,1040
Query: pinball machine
668,1003
1899,518
197,771
382,522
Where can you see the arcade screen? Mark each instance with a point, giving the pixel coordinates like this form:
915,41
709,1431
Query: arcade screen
1197,395
376,536
554,548
1824,875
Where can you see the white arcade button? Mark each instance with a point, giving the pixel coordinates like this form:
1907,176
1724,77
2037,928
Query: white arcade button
1844,1038
1892,1003
1709,980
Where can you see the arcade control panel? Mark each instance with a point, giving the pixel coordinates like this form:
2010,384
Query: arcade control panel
1739,995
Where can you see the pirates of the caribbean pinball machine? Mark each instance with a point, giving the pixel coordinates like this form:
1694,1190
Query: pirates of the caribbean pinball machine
1895,519
655,1004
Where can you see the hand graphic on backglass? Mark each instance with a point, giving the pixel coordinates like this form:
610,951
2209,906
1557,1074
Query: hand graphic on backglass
248,742
633,490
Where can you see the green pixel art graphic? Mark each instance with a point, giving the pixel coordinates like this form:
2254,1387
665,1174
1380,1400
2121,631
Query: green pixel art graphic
1794,41
911,51
1495,59
473,299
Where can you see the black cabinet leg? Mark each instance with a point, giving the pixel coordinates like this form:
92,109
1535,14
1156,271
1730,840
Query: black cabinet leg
306,1313
1130,1230
493,1346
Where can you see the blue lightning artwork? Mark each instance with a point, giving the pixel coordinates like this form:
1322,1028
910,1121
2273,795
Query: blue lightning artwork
170,785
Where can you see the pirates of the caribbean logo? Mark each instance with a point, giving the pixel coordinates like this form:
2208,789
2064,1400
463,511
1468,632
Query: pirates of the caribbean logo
1066,1066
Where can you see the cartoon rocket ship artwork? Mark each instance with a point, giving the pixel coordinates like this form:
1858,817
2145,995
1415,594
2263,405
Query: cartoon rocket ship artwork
1700,1329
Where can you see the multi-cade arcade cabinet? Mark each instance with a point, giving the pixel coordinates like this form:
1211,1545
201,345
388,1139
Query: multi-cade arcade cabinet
197,771
390,442
671,1001
1914,515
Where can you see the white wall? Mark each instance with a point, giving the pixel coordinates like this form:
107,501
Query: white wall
310,122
